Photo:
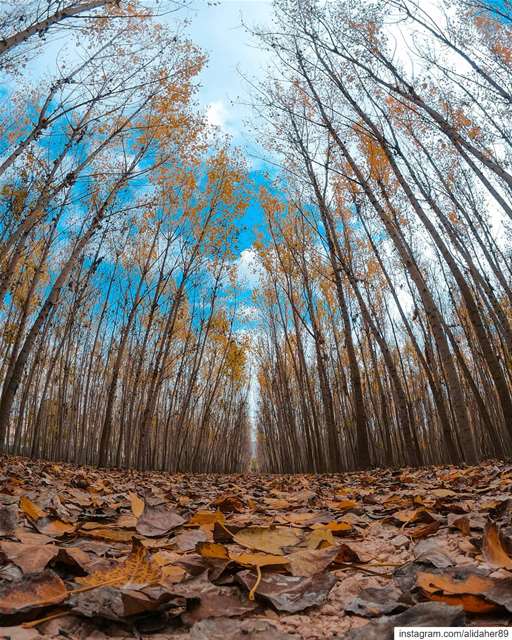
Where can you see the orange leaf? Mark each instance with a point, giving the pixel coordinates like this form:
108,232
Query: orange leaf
206,517
32,592
31,510
493,549
453,583
136,503
470,603
212,550
138,568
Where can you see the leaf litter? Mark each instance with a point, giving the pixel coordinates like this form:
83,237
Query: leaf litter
96,553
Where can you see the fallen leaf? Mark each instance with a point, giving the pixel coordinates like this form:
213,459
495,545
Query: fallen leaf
268,539
8,519
443,493
32,592
344,554
341,505
172,574
54,528
258,559
137,569
108,534
114,603
469,602
337,528
188,539
375,601
432,552
214,601
459,522
320,538
409,516
309,562
31,510
30,558
136,503
229,504
423,531
425,614
493,549
158,521
459,580
229,629
290,593
206,518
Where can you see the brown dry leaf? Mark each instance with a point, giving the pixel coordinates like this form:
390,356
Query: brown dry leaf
164,558
137,569
423,531
136,503
54,528
276,503
309,562
493,549
443,493
425,614
125,521
188,539
345,555
470,603
454,581
30,558
158,521
31,510
341,505
229,504
375,601
337,528
320,538
230,629
108,534
258,559
32,592
8,519
208,518
300,518
172,574
268,539
214,601
289,593
212,550
459,522
409,516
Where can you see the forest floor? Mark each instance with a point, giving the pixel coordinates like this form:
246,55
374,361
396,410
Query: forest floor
90,553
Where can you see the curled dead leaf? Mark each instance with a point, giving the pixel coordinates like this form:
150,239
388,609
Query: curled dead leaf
30,509
32,592
136,503
493,549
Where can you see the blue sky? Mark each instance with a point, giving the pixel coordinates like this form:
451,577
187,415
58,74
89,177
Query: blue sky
233,55
219,31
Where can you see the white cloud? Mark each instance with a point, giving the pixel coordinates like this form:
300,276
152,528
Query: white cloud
217,114
248,269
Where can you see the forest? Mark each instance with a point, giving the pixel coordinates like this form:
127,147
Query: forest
154,401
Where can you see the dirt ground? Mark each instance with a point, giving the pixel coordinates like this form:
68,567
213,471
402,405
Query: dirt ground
88,553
